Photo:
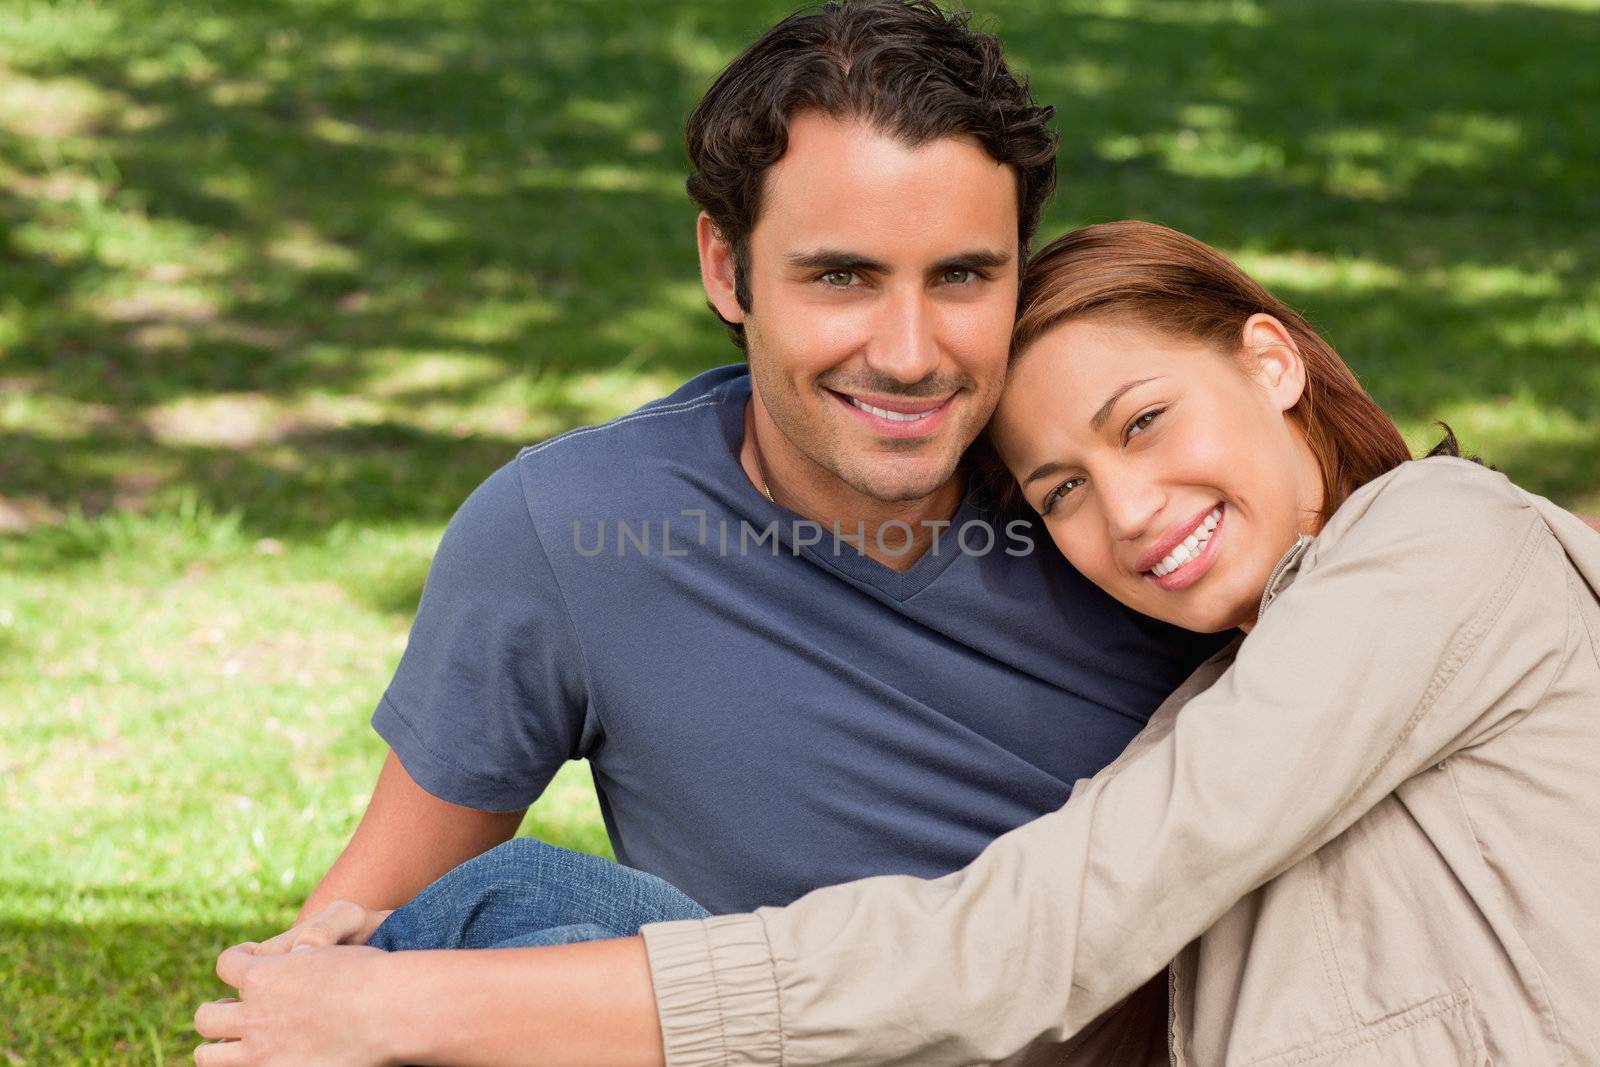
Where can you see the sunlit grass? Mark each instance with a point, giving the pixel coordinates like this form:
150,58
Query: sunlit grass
279,284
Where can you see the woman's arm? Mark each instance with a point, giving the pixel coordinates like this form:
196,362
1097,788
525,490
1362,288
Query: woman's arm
1422,621
582,1005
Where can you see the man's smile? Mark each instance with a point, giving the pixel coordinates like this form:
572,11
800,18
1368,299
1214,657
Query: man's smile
899,417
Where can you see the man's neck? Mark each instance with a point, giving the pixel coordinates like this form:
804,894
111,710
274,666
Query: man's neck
876,527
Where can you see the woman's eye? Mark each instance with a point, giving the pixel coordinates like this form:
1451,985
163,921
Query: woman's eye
1053,497
838,279
1142,423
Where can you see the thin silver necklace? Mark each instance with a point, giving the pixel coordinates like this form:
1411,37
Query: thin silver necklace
761,463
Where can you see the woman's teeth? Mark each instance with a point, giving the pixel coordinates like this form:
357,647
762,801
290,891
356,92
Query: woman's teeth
1190,548
893,416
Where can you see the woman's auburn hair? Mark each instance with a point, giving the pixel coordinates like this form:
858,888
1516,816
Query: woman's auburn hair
1156,277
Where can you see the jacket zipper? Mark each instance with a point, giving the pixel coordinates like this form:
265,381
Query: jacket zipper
1172,1015
1289,557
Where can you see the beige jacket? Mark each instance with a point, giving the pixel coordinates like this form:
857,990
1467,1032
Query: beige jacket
1368,834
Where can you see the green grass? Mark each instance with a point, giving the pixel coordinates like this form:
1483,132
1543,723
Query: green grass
282,280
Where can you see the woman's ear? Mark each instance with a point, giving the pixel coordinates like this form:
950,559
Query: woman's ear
1273,359
716,270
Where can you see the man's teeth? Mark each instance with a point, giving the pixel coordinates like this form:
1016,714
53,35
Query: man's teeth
1190,548
895,416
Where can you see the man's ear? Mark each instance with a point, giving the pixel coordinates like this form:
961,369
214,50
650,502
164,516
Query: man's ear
1273,359
716,269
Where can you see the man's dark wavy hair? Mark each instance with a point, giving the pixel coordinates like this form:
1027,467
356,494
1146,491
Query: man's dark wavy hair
906,67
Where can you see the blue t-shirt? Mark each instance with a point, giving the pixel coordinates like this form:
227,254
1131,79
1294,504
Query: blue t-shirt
766,710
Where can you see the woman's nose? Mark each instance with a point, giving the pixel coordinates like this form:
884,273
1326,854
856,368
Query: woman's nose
1130,507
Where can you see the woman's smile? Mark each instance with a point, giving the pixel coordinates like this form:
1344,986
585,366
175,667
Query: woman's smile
1184,556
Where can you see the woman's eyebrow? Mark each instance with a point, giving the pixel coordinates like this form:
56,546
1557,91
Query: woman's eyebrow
1096,422
1100,417
1042,470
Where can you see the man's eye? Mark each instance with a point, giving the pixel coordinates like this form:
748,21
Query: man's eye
1053,497
838,279
1142,423
958,277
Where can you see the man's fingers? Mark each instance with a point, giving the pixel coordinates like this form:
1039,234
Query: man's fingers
277,946
313,933
336,924
220,1019
221,1054
235,963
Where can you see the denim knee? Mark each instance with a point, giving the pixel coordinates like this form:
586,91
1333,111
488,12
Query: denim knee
524,886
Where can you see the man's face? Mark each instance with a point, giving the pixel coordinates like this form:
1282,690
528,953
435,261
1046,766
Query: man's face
883,290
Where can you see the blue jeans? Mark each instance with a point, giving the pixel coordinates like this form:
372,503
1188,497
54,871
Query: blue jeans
527,893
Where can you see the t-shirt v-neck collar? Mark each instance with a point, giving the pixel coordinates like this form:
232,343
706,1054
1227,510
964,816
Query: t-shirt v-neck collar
848,562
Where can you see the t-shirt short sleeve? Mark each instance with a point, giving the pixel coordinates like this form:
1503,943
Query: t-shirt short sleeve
489,698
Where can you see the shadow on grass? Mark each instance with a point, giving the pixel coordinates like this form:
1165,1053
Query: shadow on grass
111,993
1567,471
285,202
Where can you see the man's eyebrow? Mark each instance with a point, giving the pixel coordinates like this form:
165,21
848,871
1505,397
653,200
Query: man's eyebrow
977,259
834,259
841,259
1100,417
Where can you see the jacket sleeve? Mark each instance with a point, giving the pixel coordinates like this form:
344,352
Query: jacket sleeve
1413,629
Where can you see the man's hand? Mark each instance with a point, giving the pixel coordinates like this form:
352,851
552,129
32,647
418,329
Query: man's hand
295,1008
344,922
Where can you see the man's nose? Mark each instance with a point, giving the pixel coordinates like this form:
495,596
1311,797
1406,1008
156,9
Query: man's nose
904,345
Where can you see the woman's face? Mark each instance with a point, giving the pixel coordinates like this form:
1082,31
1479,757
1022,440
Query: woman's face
1167,471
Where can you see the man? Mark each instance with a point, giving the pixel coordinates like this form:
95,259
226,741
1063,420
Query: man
795,649
883,688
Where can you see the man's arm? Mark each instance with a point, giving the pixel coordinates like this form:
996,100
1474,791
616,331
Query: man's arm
407,838
1592,520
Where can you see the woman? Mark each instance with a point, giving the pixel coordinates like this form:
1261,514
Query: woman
1365,833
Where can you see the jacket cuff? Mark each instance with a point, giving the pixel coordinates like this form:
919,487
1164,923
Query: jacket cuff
716,991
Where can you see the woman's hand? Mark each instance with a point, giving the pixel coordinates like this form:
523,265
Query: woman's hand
313,1005
344,922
